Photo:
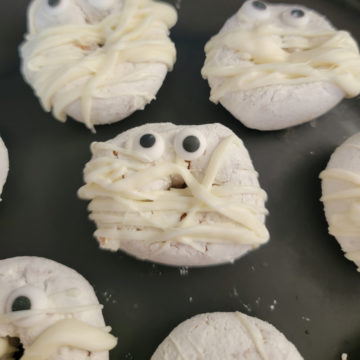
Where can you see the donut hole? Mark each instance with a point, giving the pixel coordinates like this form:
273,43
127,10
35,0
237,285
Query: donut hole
177,182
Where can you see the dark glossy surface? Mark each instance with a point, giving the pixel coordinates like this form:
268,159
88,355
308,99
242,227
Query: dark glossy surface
299,282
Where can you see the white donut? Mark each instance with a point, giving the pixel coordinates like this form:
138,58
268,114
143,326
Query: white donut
152,198
97,60
277,66
341,197
4,164
52,311
226,336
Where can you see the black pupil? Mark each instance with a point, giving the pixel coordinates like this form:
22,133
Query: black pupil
21,303
191,143
147,140
259,5
54,3
298,13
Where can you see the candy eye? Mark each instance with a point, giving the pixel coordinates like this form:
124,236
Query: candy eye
55,7
190,144
255,9
102,4
295,17
150,144
26,298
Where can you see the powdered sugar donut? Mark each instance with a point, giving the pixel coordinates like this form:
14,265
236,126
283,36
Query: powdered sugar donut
51,311
97,60
4,164
226,336
341,197
276,66
178,195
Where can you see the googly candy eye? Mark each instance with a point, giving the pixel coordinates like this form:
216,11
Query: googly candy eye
26,298
55,7
102,4
295,17
190,144
150,144
255,9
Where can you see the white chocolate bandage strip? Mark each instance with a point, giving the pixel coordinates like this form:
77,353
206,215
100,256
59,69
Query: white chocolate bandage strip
72,333
271,55
88,54
346,223
119,205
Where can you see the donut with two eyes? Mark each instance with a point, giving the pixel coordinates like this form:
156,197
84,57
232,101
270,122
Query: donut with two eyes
97,60
226,336
341,197
50,310
274,66
177,195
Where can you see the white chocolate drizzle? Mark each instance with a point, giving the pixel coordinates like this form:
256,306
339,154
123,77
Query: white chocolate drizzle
346,223
89,54
254,334
120,205
11,317
271,55
72,333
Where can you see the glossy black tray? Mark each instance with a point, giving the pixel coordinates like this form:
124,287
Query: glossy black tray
299,282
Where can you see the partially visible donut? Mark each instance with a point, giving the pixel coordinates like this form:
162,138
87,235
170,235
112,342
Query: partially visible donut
97,60
4,164
341,197
51,312
226,336
275,66
177,195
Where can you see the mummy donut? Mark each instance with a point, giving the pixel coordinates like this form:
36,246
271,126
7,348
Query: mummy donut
226,336
177,195
97,60
276,66
49,312
4,165
341,197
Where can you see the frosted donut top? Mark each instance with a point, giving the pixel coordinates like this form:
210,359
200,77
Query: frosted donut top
137,194
267,44
72,61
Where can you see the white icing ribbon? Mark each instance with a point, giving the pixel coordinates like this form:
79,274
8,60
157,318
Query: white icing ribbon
89,54
71,333
346,223
271,55
120,205
255,335
11,317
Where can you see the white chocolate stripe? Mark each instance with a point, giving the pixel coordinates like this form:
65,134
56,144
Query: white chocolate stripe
72,333
340,174
255,335
215,234
14,316
346,223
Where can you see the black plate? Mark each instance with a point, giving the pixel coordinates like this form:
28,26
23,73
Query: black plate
299,282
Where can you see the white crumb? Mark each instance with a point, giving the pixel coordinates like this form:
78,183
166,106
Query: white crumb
273,305
184,271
